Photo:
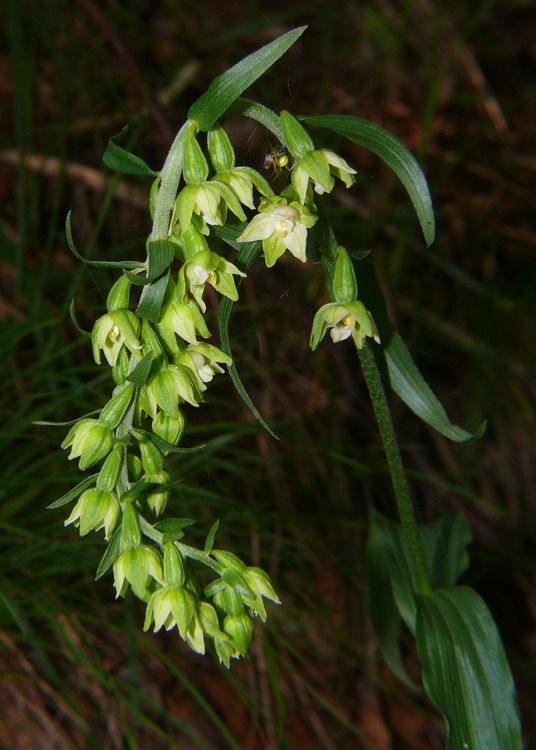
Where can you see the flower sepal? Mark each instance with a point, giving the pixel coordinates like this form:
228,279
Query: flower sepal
342,321
95,509
90,440
203,360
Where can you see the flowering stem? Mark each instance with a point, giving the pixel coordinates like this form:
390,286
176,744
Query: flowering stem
195,554
396,468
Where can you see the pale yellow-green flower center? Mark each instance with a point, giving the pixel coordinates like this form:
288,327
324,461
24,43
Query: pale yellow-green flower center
114,333
285,220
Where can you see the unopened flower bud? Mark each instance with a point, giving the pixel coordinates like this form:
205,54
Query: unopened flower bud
229,602
173,565
229,560
344,281
297,138
116,408
118,297
239,629
151,458
220,150
109,473
195,166
169,428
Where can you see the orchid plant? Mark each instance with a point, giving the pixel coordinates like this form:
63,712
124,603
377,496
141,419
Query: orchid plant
154,337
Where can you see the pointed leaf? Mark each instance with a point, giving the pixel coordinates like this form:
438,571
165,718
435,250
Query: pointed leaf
112,550
403,374
465,671
72,313
120,160
151,299
74,493
140,373
444,547
209,543
383,610
394,154
160,253
227,87
163,445
101,263
71,422
172,528
247,252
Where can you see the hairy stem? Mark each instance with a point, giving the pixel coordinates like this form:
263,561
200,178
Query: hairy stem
396,468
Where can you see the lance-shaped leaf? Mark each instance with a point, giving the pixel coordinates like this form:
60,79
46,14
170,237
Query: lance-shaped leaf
465,671
403,373
247,252
227,87
394,154
101,263
120,160
390,586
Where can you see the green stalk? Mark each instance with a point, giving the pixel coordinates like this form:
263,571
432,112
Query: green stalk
396,468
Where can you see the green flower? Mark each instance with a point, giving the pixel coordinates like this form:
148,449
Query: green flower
183,319
95,509
170,606
137,565
209,200
320,167
169,387
203,360
113,331
242,180
280,227
239,629
157,497
169,428
90,440
342,321
208,268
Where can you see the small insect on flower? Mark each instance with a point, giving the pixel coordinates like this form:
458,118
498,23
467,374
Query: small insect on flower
277,160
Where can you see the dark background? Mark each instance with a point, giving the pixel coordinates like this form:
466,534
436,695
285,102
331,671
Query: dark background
456,83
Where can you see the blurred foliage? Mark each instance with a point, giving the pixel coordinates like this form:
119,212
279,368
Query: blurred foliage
456,84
